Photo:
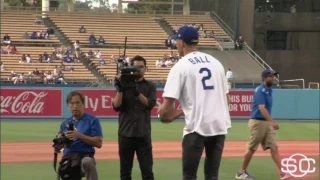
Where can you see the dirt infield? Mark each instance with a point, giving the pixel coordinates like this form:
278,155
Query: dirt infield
43,152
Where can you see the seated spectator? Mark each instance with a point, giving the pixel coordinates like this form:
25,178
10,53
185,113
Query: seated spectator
61,78
92,39
45,56
26,35
38,21
89,54
3,67
28,58
211,35
158,63
54,53
40,35
14,77
2,51
67,59
40,59
102,62
168,63
23,59
205,35
50,31
97,54
13,50
76,46
34,35
50,59
21,78
71,68
167,43
82,29
36,72
47,35
239,43
49,78
62,66
201,27
56,71
68,51
101,41
62,50
194,25
112,59
75,59
59,55
163,63
6,39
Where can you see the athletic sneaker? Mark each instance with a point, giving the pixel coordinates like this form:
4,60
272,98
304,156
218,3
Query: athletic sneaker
244,175
284,176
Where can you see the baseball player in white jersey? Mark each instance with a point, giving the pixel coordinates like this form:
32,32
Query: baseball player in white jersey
198,81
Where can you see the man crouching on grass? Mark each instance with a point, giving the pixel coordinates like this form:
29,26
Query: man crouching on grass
78,159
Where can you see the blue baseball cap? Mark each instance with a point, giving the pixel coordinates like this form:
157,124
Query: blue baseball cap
268,72
189,35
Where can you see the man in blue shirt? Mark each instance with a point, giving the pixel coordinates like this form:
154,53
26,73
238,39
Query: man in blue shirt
86,136
261,126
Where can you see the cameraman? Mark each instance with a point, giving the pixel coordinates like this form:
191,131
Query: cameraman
78,159
134,134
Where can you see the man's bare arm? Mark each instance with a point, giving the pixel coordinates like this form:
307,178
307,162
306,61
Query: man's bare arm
265,113
117,101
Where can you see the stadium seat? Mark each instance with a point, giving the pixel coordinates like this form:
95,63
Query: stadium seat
16,23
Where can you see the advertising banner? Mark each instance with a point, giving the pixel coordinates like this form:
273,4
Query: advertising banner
240,103
99,102
31,102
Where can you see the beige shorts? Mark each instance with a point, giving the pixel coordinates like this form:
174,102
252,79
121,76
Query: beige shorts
261,132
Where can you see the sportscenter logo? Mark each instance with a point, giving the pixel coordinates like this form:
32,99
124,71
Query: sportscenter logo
298,165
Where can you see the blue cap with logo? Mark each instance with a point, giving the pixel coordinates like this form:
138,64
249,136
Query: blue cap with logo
268,72
188,34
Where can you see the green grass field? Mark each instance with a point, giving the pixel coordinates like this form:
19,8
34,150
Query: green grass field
262,168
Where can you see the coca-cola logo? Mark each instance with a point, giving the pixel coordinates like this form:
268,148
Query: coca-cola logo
25,102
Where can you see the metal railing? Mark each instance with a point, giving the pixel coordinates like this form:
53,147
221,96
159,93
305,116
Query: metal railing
259,60
102,11
230,32
294,80
224,25
313,83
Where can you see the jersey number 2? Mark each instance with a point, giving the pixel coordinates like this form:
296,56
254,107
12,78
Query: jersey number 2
207,77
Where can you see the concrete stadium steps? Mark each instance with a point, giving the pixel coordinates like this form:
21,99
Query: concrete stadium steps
244,68
208,24
140,30
11,62
151,55
23,22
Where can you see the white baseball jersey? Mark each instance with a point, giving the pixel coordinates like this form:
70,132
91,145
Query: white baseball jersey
198,81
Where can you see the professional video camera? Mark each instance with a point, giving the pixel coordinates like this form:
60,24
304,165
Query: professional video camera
63,140
128,73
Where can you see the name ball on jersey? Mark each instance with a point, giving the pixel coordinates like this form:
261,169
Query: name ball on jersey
197,60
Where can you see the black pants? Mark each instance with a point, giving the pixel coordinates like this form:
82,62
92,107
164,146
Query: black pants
143,147
192,148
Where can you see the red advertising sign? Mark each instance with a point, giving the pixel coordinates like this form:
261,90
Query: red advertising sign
99,102
31,102
240,103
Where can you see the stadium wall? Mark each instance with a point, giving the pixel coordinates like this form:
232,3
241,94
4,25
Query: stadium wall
287,22
224,8
294,64
37,103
